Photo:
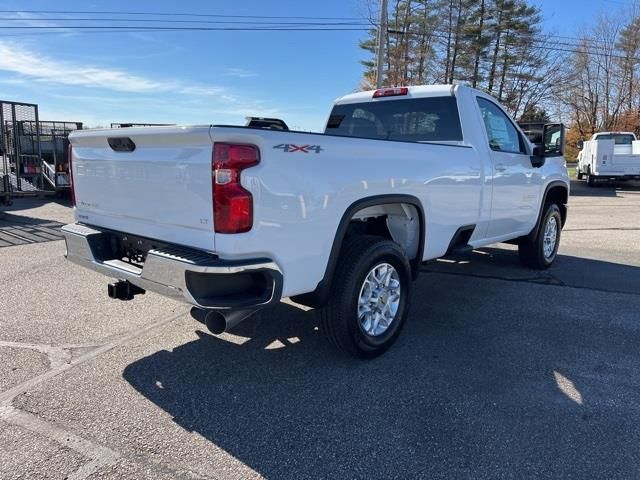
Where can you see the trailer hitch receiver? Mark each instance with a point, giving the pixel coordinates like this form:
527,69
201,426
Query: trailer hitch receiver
123,290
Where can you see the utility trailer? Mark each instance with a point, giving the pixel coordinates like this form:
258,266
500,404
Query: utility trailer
53,138
609,156
33,153
20,161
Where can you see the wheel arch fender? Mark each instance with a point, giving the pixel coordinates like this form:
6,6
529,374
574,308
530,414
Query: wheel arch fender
320,295
555,190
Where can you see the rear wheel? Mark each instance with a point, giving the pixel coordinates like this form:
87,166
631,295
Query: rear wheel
540,252
370,297
591,179
579,174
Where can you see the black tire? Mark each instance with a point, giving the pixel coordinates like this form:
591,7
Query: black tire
531,250
591,179
340,320
579,174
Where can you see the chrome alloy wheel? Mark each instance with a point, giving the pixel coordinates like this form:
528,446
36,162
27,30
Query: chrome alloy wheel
379,299
550,237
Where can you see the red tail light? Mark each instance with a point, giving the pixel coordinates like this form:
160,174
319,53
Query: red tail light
70,166
391,92
232,204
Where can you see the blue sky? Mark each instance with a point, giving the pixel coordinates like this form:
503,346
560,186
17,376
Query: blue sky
202,77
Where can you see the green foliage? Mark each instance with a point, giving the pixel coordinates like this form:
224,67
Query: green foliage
499,46
488,44
535,114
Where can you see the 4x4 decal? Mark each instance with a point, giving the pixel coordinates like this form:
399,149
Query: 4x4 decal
290,148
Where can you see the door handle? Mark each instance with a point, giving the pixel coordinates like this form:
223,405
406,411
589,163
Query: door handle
500,167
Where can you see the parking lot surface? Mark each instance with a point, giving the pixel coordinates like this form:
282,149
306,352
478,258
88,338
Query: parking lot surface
500,372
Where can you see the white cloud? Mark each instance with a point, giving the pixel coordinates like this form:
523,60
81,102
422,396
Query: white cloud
238,72
18,60
98,94
13,81
32,20
203,91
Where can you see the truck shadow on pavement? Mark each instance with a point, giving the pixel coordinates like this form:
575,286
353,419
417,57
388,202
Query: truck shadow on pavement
567,271
579,188
489,379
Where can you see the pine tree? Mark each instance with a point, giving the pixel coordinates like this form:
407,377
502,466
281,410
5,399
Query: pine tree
629,46
488,44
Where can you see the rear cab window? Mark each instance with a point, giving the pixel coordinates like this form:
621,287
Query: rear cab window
427,119
618,138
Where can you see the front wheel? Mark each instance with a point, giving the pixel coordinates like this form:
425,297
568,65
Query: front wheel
370,297
540,252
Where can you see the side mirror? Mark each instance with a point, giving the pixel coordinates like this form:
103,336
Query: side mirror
549,144
553,139
537,157
580,144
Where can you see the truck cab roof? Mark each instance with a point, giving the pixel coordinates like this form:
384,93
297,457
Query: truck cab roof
419,91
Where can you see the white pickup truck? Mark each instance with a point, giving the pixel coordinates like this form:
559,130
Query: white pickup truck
609,156
231,219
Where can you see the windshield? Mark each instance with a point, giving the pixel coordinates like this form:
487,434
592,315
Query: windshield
619,138
433,119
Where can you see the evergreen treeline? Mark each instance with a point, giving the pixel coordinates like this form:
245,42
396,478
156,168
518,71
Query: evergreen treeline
591,81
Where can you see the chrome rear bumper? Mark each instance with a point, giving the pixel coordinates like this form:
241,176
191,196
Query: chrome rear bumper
193,276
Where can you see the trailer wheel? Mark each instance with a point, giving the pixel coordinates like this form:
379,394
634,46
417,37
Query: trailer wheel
370,297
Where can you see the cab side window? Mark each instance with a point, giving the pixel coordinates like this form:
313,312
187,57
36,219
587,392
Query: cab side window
502,134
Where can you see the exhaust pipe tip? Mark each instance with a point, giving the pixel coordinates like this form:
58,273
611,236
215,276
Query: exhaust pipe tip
215,322
220,321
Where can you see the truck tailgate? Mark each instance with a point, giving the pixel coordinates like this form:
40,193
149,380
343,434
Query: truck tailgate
626,158
159,189
626,161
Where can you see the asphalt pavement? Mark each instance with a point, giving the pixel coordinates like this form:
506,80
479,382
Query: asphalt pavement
500,372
